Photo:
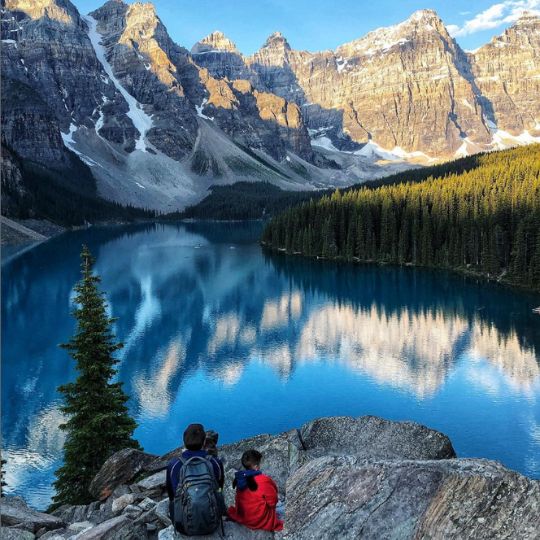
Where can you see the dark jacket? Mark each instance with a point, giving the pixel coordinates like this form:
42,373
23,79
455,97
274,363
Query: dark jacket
173,472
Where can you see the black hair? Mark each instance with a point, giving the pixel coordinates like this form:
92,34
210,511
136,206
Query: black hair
251,458
194,437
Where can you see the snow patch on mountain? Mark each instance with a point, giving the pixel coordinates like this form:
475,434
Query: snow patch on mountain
142,121
100,121
503,140
383,39
70,143
341,63
467,148
199,109
324,142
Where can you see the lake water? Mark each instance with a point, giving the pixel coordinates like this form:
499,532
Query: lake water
218,332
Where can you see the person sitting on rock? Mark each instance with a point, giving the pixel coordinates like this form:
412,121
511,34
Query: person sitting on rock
256,496
210,443
193,473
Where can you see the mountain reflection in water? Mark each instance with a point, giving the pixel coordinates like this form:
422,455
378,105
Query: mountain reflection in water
215,330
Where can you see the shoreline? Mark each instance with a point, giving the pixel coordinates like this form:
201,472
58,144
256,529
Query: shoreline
48,230
466,272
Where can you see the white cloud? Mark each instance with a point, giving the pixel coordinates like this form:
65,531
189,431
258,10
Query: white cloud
505,12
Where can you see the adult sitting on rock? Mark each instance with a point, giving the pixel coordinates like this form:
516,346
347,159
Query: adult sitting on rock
256,496
194,485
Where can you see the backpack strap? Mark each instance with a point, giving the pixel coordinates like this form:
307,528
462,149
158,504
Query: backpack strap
175,471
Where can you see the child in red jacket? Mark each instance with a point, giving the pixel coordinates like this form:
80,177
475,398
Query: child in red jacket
256,496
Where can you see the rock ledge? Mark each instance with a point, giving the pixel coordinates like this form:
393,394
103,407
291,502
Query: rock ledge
340,477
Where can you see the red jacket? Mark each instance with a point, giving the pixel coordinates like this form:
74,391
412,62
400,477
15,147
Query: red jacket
257,509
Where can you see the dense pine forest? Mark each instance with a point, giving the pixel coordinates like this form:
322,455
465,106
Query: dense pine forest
485,219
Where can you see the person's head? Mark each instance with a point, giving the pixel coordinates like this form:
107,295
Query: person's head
210,443
194,437
251,459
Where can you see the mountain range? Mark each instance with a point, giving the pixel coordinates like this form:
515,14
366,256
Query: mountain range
109,105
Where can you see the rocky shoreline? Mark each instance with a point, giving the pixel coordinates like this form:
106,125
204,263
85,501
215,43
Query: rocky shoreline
340,477
25,231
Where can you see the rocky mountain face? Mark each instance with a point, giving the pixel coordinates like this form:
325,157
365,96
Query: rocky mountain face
506,72
155,129
338,477
408,88
157,124
50,70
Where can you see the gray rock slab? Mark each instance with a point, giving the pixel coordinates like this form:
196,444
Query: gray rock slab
13,513
349,497
121,468
368,437
156,480
119,504
162,512
106,530
7,533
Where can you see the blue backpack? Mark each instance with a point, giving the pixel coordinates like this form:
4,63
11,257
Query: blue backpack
198,501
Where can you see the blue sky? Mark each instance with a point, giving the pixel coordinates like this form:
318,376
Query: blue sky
324,24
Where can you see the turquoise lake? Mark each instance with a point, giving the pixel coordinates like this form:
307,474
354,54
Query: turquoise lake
219,332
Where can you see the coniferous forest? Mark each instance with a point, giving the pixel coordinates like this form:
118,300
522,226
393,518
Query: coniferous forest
260,200
484,220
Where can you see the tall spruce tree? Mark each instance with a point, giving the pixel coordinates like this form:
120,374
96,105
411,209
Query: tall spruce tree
98,423
3,482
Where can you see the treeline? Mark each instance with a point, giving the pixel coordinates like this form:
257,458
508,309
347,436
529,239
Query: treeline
64,197
257,200
486,219
243,200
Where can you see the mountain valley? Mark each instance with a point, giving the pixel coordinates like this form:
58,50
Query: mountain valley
108,106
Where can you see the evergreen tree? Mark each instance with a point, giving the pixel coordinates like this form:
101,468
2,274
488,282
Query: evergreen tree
485,219
329,248
534,267
98,423
3,483
351,240
404,235
520,250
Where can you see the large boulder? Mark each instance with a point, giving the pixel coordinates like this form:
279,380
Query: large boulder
366,437
349,497
120,468
161,462
371,437
15,512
